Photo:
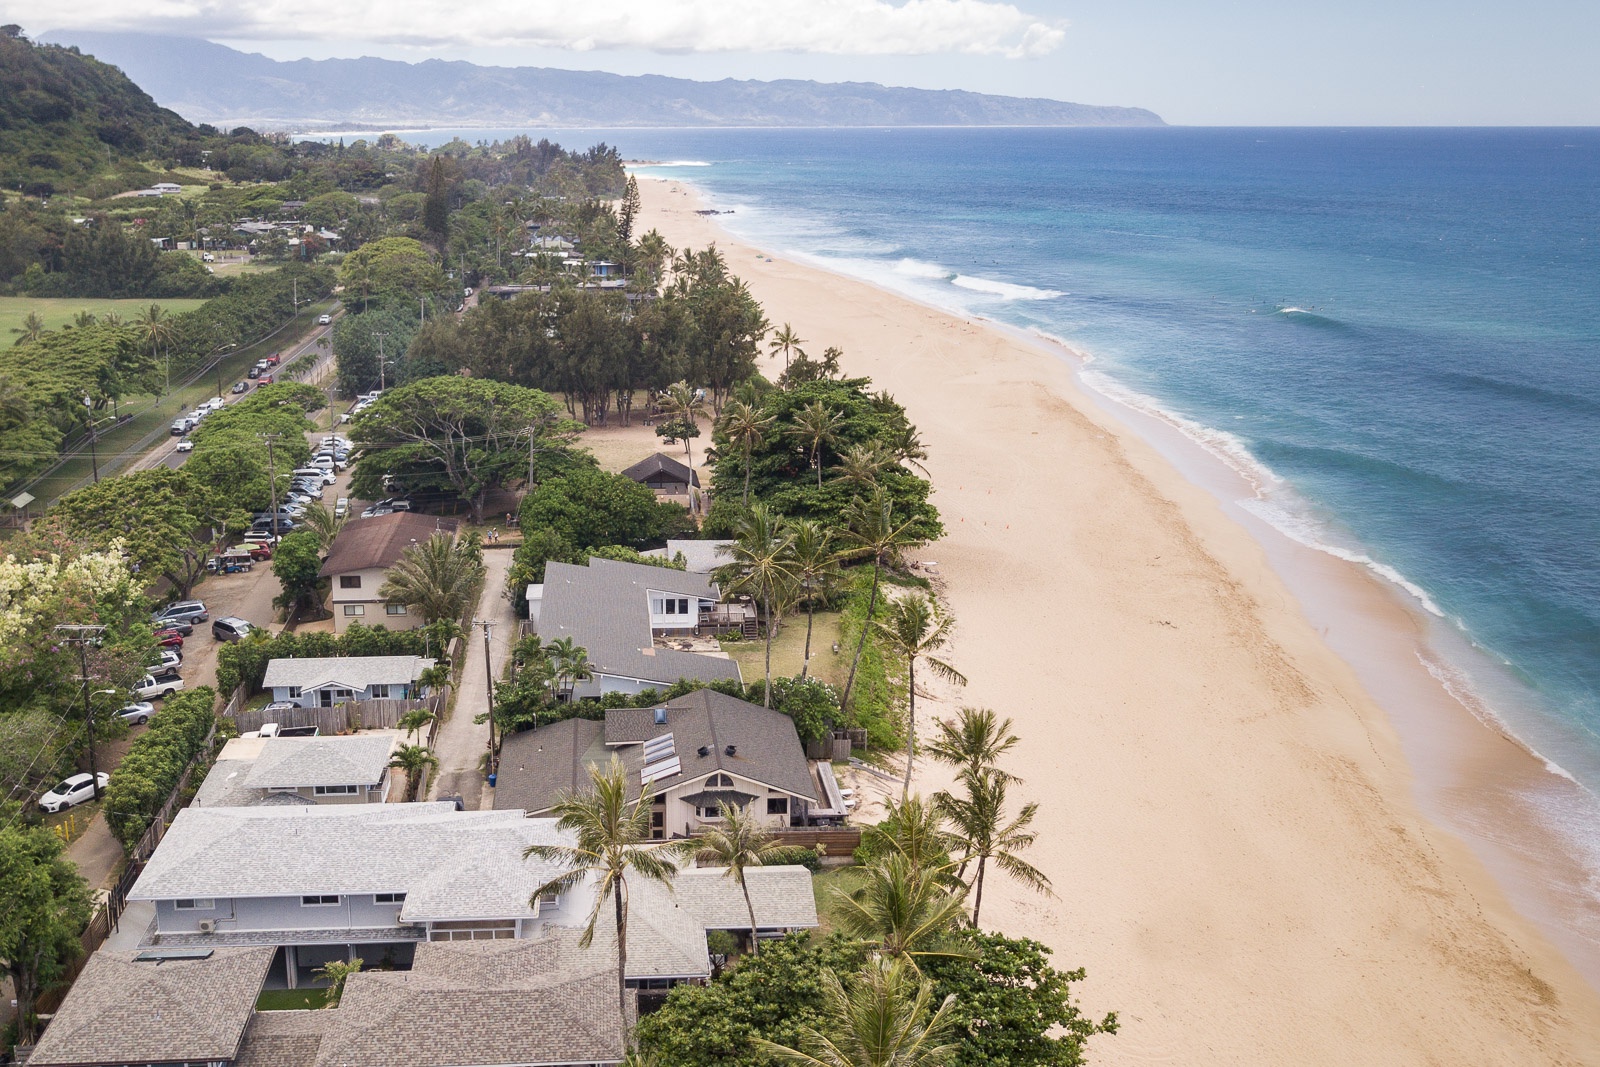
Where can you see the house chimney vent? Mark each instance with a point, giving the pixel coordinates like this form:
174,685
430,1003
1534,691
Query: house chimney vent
705,750
731,750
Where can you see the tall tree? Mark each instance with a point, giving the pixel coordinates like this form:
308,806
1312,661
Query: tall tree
628,210
817,425
915,629
786,342
683,405
569,665
612,844
44,906
816,569
297,564
746,427
875,532
974,742
439,577
902,911
985,833
884,1018
159,330
739,843
436,208
762,564
31,330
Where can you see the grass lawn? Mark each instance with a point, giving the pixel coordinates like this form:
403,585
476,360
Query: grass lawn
60,312
789,649
291,999
824,885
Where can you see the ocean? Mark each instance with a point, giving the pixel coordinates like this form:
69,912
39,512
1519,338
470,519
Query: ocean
1393,334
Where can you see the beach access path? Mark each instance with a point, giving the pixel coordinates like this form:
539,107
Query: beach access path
1226,814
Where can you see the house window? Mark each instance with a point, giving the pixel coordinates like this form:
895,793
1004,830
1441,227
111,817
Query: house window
719,781
355,609
379,692
322,900
394,609
388,898
294,692
195,904
349,581
335,790
777,805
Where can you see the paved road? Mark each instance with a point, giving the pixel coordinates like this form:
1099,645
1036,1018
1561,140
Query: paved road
461,743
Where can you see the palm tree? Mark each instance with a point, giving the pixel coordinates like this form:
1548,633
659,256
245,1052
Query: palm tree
413,721
763,566
817,425
884,1018
323,523
682,403
860,465
414,759
158,329
739,843
914,628
980,823
336,973
902,912
816,568
915,828
785,340
906,447
975,742
613,835
31,330
870,524
654,252
745,427
437,576
569,665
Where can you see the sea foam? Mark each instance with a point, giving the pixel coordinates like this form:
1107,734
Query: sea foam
1004,290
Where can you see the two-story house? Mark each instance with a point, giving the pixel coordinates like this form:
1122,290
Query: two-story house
697,752
359,559
341,769
626,615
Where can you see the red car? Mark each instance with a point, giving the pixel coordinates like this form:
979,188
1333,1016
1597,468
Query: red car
272,360
265,379
260,550
169,639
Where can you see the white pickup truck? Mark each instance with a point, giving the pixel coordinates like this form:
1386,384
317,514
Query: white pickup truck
150,688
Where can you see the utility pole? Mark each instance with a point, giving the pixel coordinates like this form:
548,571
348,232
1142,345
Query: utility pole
380,337
488,674
94,456
81,636
272,476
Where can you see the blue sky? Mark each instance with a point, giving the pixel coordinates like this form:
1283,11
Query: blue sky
1244,62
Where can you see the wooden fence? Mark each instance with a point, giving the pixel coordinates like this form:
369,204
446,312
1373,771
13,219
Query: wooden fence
341,718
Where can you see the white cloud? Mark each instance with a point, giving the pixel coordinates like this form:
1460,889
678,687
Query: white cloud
830,27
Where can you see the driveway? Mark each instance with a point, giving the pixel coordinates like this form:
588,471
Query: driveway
462,743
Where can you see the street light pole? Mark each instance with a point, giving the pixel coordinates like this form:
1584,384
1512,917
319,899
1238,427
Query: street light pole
488,674
80,636
94,456
272,475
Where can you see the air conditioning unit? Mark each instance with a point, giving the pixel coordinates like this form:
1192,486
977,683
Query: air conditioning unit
208,926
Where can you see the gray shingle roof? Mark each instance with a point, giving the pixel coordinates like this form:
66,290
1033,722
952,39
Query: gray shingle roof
350,672
538,766
297,762
284,1038
450,864
699,557
662,467
781,895
124,1011
605,608
376,543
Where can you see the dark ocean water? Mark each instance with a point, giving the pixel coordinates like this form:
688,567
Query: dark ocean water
1395,334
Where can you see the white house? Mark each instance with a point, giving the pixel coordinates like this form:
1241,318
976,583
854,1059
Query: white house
323,682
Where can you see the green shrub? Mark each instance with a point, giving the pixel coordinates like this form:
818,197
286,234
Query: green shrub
150,771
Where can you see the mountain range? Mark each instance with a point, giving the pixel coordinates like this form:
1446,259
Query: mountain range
211,83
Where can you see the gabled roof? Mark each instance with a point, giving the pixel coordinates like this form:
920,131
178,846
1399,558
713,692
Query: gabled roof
122,1010
699,556
298,762
782,896
450,864
605,608
662,467
346,672
537,766
376,543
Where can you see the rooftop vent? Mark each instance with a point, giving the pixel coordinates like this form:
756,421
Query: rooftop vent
705,750
661,716
731,750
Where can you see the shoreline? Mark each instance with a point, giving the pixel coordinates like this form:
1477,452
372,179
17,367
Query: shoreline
1412,915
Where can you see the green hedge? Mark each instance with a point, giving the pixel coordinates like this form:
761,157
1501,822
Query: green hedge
245,662
150,771
875,700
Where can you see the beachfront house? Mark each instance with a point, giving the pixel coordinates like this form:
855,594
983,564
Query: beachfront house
338,769
665,475
697,752
358,559
327,681
643,627
698,556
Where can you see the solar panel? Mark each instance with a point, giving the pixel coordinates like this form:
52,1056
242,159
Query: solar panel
664,769
156,955
658,748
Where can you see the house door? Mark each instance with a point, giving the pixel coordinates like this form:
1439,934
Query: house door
327,698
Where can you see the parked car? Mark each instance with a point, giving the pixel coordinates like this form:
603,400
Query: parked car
265,379
72,792
183,424
181,627
258,550
327,476
166,658
262,537
241,387
341,507
150,687
323,320
184,445
231,628
272,360
207,257
189,611
169,639
254,372
138,713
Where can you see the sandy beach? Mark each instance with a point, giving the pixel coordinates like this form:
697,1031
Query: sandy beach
1229,818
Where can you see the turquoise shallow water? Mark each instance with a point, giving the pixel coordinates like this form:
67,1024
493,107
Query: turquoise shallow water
1394,333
